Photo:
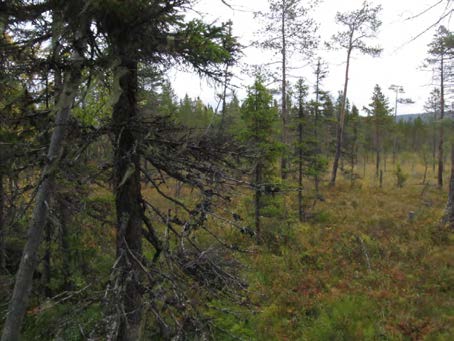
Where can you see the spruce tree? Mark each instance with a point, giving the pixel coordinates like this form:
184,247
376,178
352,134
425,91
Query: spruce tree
380,115
441,52
260,117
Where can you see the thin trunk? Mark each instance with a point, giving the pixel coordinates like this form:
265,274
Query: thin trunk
29,260
285,141
377,147
340,125
300,162
364,166
384,160
395,132
224,92
425,172
434,142
316,138
377,163
354,154
127,200
224,100
258,202
442,114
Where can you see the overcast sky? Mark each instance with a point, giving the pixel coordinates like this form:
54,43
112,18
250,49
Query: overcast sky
400,62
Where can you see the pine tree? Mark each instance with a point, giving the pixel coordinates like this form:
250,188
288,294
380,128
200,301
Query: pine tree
289,30
360,25
441,52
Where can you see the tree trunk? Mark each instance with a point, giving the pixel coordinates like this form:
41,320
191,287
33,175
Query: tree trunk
258,202
449,215
3,24
2,225
354,156
425,172
224,100
64,213
46,261
29,261
395,127
224,93
442,114
300,163
377,163
364,166
316,138
377,147
340,124
128,200
285,119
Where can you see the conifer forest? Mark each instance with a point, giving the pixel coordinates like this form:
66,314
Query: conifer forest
275,205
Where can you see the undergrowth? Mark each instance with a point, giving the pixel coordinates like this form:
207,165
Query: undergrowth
369,264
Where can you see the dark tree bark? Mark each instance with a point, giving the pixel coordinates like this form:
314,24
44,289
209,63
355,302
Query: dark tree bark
128,200
3,23
2,225
64,213
47,271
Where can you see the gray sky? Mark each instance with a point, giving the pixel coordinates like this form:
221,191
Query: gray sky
400,62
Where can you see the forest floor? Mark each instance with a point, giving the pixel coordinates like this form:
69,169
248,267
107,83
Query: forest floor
370,263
